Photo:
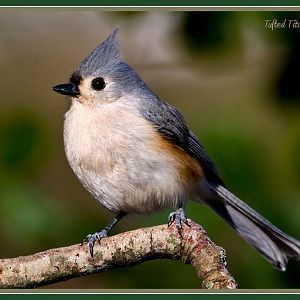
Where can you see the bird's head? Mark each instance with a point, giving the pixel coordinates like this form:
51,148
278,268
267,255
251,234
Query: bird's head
102,77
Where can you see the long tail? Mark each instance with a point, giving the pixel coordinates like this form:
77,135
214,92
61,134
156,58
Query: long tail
276,246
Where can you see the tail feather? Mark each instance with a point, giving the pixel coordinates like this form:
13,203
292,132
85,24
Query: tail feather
275,245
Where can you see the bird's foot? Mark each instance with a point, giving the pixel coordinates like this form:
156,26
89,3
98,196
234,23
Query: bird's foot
178,216
92,238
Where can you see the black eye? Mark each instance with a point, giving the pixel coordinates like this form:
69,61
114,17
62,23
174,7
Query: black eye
98,84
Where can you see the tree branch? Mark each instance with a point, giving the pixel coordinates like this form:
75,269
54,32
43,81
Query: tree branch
125,249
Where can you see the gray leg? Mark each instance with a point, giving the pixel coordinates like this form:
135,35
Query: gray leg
178,216
97,236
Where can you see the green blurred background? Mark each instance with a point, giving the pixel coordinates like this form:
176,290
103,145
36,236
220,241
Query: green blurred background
237,84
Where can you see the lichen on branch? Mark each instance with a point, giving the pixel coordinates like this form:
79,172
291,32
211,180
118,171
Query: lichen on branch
125,249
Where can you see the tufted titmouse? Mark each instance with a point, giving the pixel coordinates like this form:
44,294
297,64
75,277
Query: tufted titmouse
134,153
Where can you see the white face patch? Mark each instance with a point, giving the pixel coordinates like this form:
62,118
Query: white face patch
88,95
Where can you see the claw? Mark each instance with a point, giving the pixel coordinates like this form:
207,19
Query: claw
186,222
86,239
171,218
92,238
178,216
91,246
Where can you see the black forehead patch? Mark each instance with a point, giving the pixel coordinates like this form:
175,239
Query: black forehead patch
75,79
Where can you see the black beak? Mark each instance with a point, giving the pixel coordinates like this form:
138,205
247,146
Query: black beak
68,89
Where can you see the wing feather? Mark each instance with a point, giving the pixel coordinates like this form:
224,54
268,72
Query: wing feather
170,123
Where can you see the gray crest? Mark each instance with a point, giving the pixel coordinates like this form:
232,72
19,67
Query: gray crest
103,59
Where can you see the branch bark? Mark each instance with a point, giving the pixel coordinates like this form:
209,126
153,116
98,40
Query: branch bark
125,249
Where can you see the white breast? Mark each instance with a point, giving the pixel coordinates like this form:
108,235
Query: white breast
110,150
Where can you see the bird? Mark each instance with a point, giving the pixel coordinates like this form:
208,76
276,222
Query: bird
134,153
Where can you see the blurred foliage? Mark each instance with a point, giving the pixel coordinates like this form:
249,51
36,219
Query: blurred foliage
238,89
210,30
24,143
288,81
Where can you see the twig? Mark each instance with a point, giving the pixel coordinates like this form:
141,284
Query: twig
125,249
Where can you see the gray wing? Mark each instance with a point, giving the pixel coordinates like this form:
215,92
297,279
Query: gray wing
170,124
